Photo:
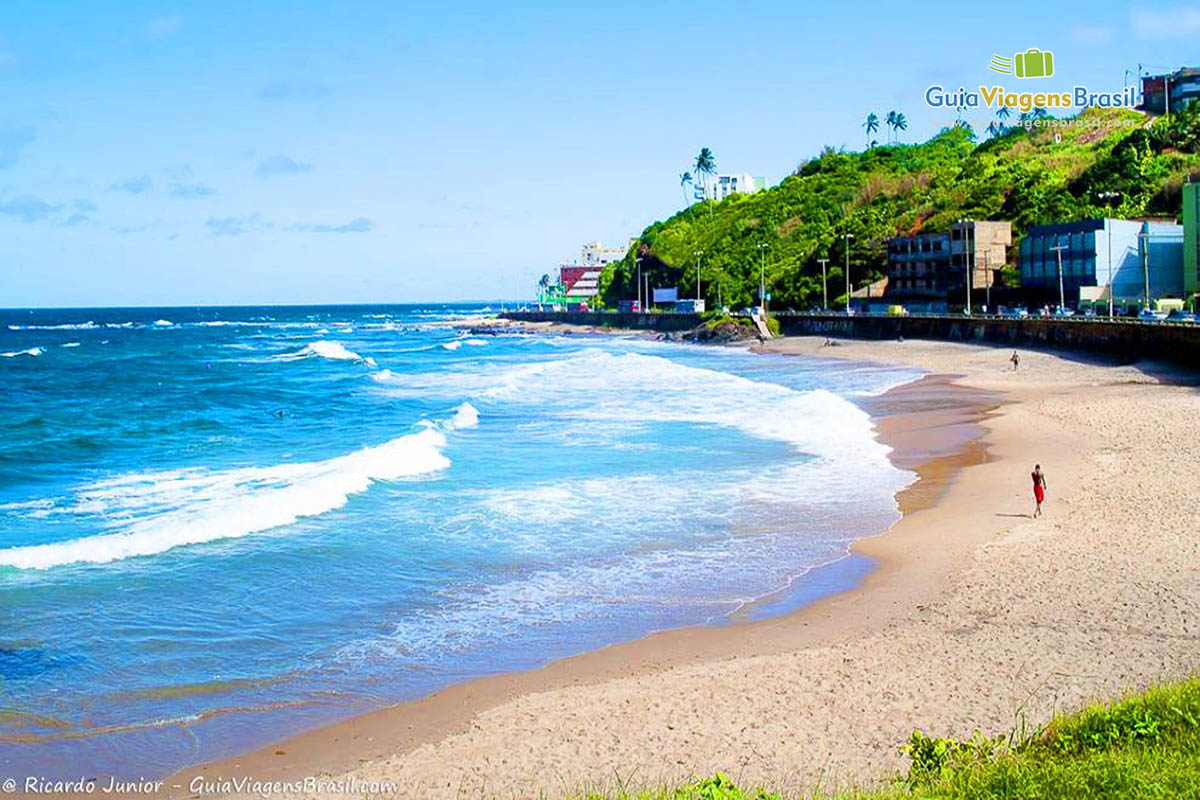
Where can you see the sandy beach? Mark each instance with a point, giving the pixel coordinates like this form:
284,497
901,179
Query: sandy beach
977,617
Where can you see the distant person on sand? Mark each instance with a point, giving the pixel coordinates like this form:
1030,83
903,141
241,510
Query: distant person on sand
1016,360
1039,488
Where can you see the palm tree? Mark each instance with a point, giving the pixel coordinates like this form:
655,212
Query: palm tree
995,128
900,124
705,165
890,121
1004,112
685,178
871,126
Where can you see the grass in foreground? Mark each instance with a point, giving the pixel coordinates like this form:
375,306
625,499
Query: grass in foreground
1146,746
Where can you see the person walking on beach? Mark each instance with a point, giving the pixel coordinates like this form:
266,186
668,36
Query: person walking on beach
1039,488
1016,360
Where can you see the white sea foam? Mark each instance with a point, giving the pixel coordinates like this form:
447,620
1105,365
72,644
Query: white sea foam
74,326
598,386
33,351
452,345
324,348
465,416
163,323
157,511
70,344
475,342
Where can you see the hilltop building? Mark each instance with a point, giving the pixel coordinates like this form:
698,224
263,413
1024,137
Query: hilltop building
1135,251
1183,86
929,270
721,186
595,254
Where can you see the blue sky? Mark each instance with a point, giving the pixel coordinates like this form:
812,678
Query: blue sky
299,152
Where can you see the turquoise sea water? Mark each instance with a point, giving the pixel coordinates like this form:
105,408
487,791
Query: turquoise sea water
221,526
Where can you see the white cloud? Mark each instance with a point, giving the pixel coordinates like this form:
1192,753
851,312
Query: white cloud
1092,34
281,165
1176,23
162,27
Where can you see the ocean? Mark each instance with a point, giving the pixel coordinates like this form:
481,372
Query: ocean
222,526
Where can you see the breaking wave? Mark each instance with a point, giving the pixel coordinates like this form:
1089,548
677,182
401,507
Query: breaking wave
174,508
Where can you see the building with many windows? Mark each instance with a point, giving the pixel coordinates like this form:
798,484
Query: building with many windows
1170,92
595,254
1126,254
931,269
718,187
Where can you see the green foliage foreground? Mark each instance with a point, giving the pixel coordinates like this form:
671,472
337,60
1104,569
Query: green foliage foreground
1146,746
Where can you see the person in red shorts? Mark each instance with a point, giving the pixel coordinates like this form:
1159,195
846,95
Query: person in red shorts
1039,488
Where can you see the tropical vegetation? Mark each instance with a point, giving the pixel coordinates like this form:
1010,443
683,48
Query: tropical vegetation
1029,172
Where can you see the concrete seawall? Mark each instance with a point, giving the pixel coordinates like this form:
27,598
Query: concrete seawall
1123,340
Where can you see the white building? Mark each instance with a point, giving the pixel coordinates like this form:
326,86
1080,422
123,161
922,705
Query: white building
595,254
721,186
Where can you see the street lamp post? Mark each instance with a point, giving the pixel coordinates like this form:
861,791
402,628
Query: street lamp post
967,224
641,307
824,287
987,286
847,237
1058,248
697,254
1145,237
762,277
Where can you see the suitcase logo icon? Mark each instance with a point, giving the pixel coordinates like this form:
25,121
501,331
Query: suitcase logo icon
1033,63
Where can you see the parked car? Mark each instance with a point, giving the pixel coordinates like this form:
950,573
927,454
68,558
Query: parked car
1150,315
1179,315
1017,313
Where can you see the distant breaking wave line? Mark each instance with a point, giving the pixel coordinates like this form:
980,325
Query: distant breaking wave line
204,506
33,351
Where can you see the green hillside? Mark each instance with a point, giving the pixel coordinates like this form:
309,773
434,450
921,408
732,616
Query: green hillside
1028,176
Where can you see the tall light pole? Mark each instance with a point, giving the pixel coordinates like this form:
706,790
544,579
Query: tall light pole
762,277
1145,237
1062,303
641,308
987,277
824,288
847,237
1108,225
697,254
968,225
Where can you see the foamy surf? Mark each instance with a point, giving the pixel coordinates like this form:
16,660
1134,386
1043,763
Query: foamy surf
186,507
33,352
324,348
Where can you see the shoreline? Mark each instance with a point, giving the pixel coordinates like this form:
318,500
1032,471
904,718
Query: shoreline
805,614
